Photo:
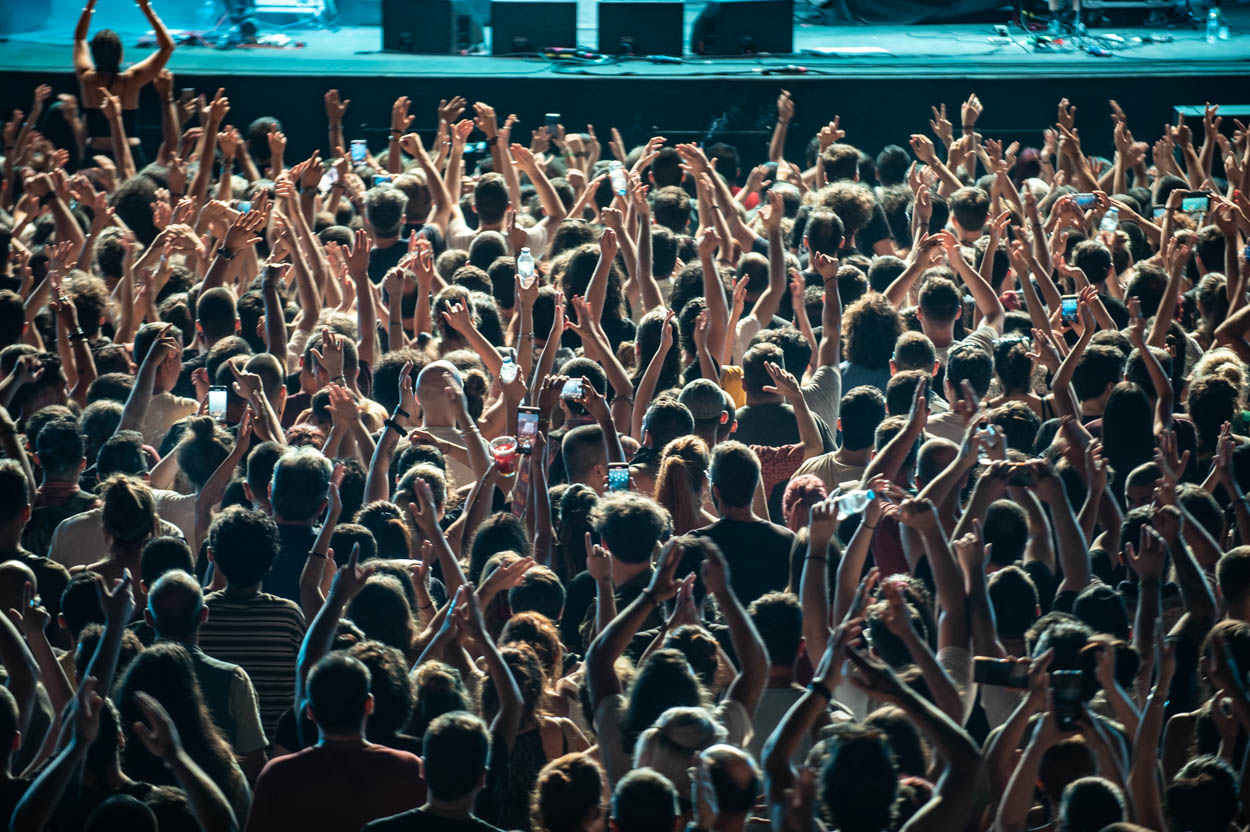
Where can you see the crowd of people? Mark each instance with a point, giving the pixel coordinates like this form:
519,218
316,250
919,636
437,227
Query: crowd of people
576,483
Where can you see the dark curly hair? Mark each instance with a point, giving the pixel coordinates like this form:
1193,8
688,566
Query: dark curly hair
869,328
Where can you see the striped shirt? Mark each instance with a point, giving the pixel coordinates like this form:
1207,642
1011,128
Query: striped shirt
262,634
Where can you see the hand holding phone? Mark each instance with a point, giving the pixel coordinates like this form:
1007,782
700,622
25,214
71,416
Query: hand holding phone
1068,309
218,396
572,389
1005,673
618,476
526,429
359,151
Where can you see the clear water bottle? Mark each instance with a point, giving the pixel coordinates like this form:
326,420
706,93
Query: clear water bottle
507,372
853,502
990,434
525,268
616,173
1213,24
1111,220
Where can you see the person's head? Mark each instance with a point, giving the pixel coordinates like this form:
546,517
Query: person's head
243,544
216,313
129,514
1212,401
59,447
385,208
1098,369
206,447
858,782
490,199
914,351
778,617
164,554
823,232
969,207
339,700
851,201
389,685
666,420
682,480
568,794
585,459
1090,804
538,633
1014,598
539,590
630,525
707,404
1232,573
455,751
1094,259
735,472
1005,529
863,408
840,161
870,327
382,612
80,604
802,492
260,464
901,390
300,483
645,801
1102,608
175,606
106,51
968,362
1203,796
121,811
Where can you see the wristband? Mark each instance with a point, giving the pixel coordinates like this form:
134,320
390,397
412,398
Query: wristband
321,555
492,141
580,155
393,425
225,253
341,380
822,689
78,335
401,412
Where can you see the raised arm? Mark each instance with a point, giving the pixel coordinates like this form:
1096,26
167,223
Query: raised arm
747,687
608,646
147,69
82,52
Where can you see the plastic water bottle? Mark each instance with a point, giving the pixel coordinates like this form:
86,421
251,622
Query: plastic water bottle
525,268
507,372
616,173
1213,24
853,502
1110,220
990,432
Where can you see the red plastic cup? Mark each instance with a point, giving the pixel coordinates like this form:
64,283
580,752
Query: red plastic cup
503,449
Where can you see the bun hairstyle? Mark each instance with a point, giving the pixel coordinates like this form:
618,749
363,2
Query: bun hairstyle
700,649
475,387
1013,365
803,492
683,476
129,515
439,690
207,447
567,794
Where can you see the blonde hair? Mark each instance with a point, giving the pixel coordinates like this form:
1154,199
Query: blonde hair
129,514
683,476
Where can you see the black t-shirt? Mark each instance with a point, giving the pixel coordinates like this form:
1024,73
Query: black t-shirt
758,553
579,606
876,230
774,425
423,821
1116,309
382,260
294,544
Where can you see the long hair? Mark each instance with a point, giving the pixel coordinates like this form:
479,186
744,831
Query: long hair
664,681
682,480
164,671
129,513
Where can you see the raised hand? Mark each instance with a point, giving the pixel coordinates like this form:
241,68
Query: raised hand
335,107
784,382
157,729
598,561
351,577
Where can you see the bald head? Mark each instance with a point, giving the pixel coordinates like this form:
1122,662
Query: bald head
175,606
13,577
734,777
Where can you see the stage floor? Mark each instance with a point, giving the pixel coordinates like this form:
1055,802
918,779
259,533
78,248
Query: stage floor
965,50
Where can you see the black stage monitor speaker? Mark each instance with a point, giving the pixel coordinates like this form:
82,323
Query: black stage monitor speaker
428,27
742,27
532,25
640,27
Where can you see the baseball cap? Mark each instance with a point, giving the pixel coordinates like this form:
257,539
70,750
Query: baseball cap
705,400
